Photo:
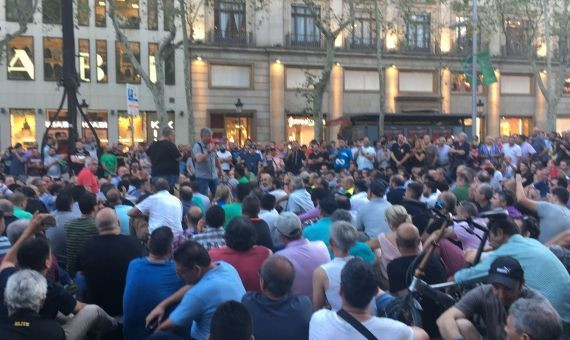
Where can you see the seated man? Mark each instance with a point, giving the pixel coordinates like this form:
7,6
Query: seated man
150,280
213,283
25,293
357,288
231,321
104,261
277,314
533,319
506,284
35,254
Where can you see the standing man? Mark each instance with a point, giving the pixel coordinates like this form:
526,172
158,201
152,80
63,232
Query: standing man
513,151
86,176
294,161
78,157
206,162
343,157
365,155
164,157
400,152
430,151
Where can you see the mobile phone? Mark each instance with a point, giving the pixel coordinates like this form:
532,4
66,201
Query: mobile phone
152,326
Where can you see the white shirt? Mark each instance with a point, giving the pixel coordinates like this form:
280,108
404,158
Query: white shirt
332,270
270,217
225,156
430,201
514,152
162,209
326,324
358,200
363,162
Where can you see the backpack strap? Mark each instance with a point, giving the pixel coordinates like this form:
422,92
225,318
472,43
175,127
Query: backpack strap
356,324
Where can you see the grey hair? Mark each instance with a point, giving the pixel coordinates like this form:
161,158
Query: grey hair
15,229
297,182
341,215
26,289
344,235
537,318
167,131
205,132
288,219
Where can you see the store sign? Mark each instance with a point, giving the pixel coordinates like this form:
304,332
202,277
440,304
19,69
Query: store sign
21,62
132,100
155,128
62,124
84,67
302,121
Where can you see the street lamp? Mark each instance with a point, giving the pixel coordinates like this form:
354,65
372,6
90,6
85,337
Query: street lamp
480,107
239,105
83,104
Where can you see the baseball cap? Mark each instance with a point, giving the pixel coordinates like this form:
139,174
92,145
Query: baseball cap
506,271
289,225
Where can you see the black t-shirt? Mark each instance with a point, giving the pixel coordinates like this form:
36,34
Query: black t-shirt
76,167
287,318
57,298
294,161
163,157
34,205
104,261
27,325
263,235
434,273
400,151
314,156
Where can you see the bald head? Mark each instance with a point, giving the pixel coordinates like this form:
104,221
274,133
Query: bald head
194,215
408,237
106,221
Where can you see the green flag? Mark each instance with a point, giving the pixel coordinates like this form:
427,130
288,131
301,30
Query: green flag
467,62
484,61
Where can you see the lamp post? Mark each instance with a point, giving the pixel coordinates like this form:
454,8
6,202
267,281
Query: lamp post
474,78
480,109
239,105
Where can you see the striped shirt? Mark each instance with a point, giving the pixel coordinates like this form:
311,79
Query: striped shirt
4,246
77,232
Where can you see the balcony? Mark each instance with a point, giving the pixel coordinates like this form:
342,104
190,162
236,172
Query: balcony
365,45
516,49
305,41
241,38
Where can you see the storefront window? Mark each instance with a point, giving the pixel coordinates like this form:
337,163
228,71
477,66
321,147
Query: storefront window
23,126
83,12
53,59
20,58
566,87
17,9
235,128
301,129
515,126
51,12
136,133
101,46
460,83
128,13
59,125
125,69
154,127
84,61
100,13
98,120
169,72
152,14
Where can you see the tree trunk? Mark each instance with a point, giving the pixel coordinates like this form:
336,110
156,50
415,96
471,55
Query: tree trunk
380,66
24,15
187,71
550,100
321,86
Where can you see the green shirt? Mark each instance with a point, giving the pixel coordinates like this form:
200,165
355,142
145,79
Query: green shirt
109,161
77,232
231,210
462,193
244,179
197,201
21,213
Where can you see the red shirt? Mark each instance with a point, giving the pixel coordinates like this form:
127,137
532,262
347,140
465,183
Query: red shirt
88,179
247,263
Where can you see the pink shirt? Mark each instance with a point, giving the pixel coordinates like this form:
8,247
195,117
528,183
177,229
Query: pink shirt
86,178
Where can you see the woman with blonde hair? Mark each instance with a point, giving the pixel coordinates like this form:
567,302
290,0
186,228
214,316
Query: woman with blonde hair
386,242
223,195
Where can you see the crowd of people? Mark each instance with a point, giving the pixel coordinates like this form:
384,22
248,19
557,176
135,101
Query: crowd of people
282,241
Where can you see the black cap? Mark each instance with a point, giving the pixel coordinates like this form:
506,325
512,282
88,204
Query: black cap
506,271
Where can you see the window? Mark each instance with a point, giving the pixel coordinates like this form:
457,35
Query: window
416,82
296,78
20,58
83,12
23,126
153,126
235,127
363,31
361,80
98,120
125,69
230,76
17,9
53,59
131,131
168,13
100,13
152,14
304,31
463,36
101,55
229,22
460,83
566,86
516,37
169,66
418,32
51,12
516,84
84,61
128,13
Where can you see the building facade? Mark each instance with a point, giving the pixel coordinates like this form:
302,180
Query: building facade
261,57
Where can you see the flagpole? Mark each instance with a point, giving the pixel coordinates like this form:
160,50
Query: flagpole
474,78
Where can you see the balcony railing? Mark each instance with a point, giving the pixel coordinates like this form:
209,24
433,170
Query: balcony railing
233,38
515,49
301,40
360,44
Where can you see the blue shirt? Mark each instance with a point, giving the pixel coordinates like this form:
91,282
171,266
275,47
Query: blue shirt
343,158
122,214
251,160
219,285
320,231
146,286
543,271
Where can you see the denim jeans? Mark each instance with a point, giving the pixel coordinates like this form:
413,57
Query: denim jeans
206,183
